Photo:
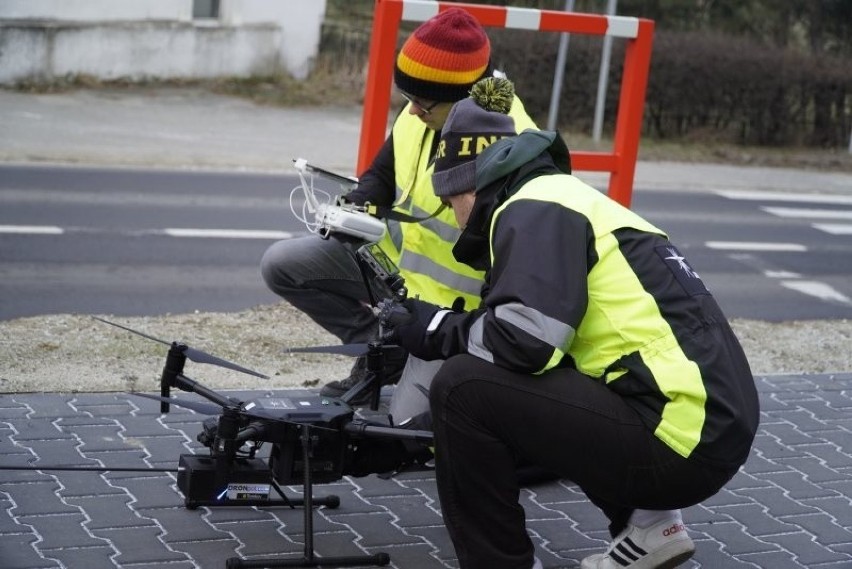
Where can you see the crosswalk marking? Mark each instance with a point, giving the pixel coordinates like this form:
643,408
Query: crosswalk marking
835,228
790,280
803,212
817,289
809,213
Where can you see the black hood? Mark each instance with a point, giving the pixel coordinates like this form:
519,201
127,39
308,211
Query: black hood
508,155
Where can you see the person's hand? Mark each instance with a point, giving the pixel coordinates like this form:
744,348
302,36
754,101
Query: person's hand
406,324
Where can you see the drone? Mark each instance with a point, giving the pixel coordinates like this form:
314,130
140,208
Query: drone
313,439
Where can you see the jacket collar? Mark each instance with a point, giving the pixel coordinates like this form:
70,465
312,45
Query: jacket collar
502,169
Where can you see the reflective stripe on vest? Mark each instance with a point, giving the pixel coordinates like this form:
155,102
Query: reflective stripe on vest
442,279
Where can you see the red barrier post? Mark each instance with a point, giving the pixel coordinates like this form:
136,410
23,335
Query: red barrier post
620,163
628,127
374,120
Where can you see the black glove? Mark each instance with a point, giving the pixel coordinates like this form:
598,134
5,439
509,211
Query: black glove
406,324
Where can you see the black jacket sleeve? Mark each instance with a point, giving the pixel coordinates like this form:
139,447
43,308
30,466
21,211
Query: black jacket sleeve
537,293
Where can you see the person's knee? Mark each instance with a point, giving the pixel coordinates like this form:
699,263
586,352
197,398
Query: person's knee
270,263
455,371
286,263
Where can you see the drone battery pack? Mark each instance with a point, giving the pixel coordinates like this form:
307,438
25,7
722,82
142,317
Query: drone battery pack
200,483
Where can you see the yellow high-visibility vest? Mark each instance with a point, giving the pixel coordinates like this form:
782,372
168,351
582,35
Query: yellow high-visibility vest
423,251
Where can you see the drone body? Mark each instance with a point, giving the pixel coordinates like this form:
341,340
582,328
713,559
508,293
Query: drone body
233,476
313,439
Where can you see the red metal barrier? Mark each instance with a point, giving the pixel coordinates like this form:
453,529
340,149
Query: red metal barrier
638,32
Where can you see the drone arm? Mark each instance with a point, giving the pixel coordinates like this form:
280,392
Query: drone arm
362,430
191,386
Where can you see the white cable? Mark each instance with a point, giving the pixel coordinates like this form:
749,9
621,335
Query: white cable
322,213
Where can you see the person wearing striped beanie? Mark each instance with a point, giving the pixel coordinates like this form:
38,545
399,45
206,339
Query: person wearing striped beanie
436,66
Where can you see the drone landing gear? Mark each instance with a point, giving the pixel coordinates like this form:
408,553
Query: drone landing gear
372,383
309,559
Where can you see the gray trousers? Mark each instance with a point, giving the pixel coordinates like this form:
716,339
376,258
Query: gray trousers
321,278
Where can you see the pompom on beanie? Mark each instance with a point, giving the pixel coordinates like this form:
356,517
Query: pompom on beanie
443,58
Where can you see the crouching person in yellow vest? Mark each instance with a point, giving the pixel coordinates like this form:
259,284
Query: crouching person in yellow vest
596,352
435,68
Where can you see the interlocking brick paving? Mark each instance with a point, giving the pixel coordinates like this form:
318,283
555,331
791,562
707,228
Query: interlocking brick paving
789,507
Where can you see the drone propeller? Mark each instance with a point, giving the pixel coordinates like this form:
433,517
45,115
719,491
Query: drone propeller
191,353
353,350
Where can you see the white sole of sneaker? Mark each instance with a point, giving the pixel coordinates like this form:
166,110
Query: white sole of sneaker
667,557
679,558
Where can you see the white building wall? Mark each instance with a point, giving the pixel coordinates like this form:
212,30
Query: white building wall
22,55
96,10
299,43
110,39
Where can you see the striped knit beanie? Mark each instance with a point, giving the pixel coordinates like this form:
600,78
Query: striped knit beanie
443,58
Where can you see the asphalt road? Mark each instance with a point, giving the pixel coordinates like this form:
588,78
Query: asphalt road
147,242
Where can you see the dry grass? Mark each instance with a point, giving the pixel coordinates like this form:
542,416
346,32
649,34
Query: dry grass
73,353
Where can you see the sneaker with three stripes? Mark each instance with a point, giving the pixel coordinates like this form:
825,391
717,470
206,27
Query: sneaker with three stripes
661,546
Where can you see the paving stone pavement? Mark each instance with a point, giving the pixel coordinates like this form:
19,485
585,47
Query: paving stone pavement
789,507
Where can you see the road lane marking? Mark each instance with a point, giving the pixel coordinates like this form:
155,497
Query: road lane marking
32,229
784,197
227,233
754,246
170,232
781,274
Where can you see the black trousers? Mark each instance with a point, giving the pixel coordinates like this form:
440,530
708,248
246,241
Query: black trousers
487,419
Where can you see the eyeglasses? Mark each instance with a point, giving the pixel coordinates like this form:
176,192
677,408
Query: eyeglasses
425,109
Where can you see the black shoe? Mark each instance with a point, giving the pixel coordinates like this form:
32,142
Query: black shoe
394,363
385,457
341,386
